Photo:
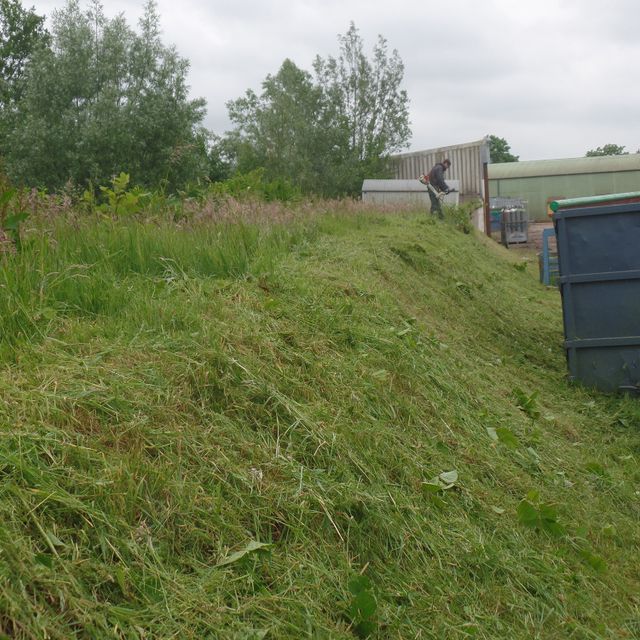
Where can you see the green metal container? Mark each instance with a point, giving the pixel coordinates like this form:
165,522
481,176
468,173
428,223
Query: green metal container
599,261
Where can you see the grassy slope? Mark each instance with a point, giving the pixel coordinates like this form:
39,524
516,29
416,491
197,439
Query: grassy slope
159,420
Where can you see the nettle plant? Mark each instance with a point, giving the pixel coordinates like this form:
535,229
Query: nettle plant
363,607
12,215
118,198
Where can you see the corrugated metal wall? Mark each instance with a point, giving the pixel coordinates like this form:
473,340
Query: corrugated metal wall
540,189
466,165
404,192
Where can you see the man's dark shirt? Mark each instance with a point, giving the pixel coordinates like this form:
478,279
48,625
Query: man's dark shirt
436,177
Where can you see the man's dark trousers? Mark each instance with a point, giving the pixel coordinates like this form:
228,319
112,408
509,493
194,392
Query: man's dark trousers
436,205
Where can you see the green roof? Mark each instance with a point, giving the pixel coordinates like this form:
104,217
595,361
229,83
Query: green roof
610,198
563,167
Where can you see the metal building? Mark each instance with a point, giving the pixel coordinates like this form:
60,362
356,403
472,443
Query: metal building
404,192
540,182
466,166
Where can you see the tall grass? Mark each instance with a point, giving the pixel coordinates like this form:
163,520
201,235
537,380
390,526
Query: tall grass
95,267
212,430
70,260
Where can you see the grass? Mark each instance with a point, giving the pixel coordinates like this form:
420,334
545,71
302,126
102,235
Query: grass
208,431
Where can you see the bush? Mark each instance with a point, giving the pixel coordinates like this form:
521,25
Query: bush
254,185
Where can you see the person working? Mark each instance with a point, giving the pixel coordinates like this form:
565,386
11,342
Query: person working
438,187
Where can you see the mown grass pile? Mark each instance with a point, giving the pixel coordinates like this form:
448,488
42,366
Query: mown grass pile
343,426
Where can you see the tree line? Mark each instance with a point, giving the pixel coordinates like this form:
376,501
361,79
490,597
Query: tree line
92,97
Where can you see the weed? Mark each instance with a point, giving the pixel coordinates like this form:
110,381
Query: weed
527,403
120,200
209,420
539,515
12,215
363,607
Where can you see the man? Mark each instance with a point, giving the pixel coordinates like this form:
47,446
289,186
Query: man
438,187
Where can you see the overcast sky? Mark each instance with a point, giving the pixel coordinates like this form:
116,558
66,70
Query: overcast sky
555,78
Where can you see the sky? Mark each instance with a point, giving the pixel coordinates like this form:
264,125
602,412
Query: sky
553,78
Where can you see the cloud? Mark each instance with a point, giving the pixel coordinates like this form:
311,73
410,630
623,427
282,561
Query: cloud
555,78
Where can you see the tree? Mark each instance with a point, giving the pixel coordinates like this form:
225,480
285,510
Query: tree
279,129
325,133
21,33
105,99
607,150
367,108
500,151
220,158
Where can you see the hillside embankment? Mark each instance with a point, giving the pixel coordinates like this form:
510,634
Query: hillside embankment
349,425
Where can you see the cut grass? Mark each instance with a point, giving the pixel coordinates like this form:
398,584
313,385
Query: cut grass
170,397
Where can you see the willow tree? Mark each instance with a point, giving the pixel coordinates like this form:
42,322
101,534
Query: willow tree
102,99
22,32
278,130
365,101
325,131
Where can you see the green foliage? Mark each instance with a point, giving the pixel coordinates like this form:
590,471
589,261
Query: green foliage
542,516
12,214
254,185
176,396
105,99
120,200
446,479
435,488
504,435
460,216
596,469
527,403
534,514
280,130
324,134
607,150
21,33
500,150
367,108
251,547
595,561
220,162
363,607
